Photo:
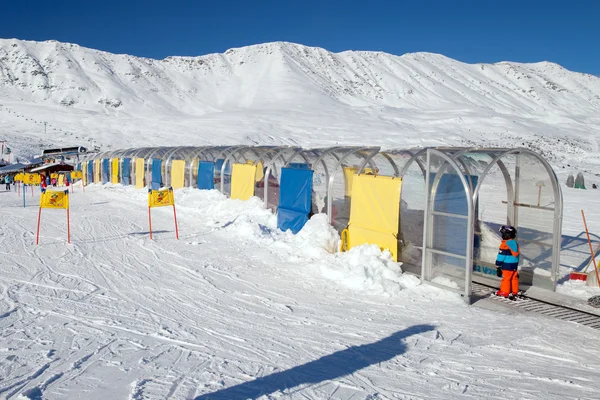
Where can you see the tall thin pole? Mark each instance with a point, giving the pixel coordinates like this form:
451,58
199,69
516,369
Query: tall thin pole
68,226
591,249
176,228
37,235
150,222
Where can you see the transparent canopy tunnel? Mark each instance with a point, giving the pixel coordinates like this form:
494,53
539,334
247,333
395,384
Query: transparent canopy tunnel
452,202
471,193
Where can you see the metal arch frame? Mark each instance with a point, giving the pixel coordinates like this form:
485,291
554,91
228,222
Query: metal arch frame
558,201
428,250
369,160
347,154
415,158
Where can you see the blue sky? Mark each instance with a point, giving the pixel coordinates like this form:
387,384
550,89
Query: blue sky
565,32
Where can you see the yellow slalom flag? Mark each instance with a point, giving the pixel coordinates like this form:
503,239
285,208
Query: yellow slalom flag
76,175
54,199
161,198
31,179
19,177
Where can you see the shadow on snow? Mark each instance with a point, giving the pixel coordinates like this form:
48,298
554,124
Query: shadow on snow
332,366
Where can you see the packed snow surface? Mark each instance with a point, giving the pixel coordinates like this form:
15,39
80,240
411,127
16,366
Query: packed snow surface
237,309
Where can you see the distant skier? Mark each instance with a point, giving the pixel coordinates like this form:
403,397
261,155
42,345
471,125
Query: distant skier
7,181
579,181
570,181
507,262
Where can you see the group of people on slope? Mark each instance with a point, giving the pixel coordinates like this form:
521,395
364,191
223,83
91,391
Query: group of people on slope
47,180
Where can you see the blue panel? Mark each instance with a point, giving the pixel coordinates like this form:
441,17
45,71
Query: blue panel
298,165
105,164
206,175
126,171
292,220
90,171
156,173
295,197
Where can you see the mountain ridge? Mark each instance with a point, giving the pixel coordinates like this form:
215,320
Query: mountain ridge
288,93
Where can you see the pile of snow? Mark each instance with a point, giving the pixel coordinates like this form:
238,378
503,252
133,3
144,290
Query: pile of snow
363,268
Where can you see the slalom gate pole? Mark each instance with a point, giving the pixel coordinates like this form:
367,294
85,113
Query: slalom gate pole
18,189
150,222
68,226
37,235
591,249
31,190
176,228
590,262
24,187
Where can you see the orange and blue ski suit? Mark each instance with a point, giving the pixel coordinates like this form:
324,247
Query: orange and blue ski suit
508,260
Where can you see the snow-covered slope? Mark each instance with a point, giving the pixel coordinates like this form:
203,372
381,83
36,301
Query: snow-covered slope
289,93
237,309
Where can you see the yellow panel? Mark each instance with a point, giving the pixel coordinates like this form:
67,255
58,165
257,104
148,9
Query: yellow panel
259,170
375,211
114,175
177,174
242,181
61,179
260,173
386,241
84,173
349,176
97,171
139,173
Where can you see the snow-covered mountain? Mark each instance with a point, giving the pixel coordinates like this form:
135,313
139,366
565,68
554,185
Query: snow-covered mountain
293,94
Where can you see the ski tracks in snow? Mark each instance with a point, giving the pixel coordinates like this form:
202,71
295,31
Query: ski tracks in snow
117,315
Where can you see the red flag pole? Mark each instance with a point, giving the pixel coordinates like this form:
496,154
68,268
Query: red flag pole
37,235
150,221
68,227
176,229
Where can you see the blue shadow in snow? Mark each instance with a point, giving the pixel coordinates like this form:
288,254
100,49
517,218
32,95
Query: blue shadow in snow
336,365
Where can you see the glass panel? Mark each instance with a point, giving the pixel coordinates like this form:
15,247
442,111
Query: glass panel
535,207
449,271
412,216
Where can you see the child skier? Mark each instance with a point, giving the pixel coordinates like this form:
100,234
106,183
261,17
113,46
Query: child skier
507,262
